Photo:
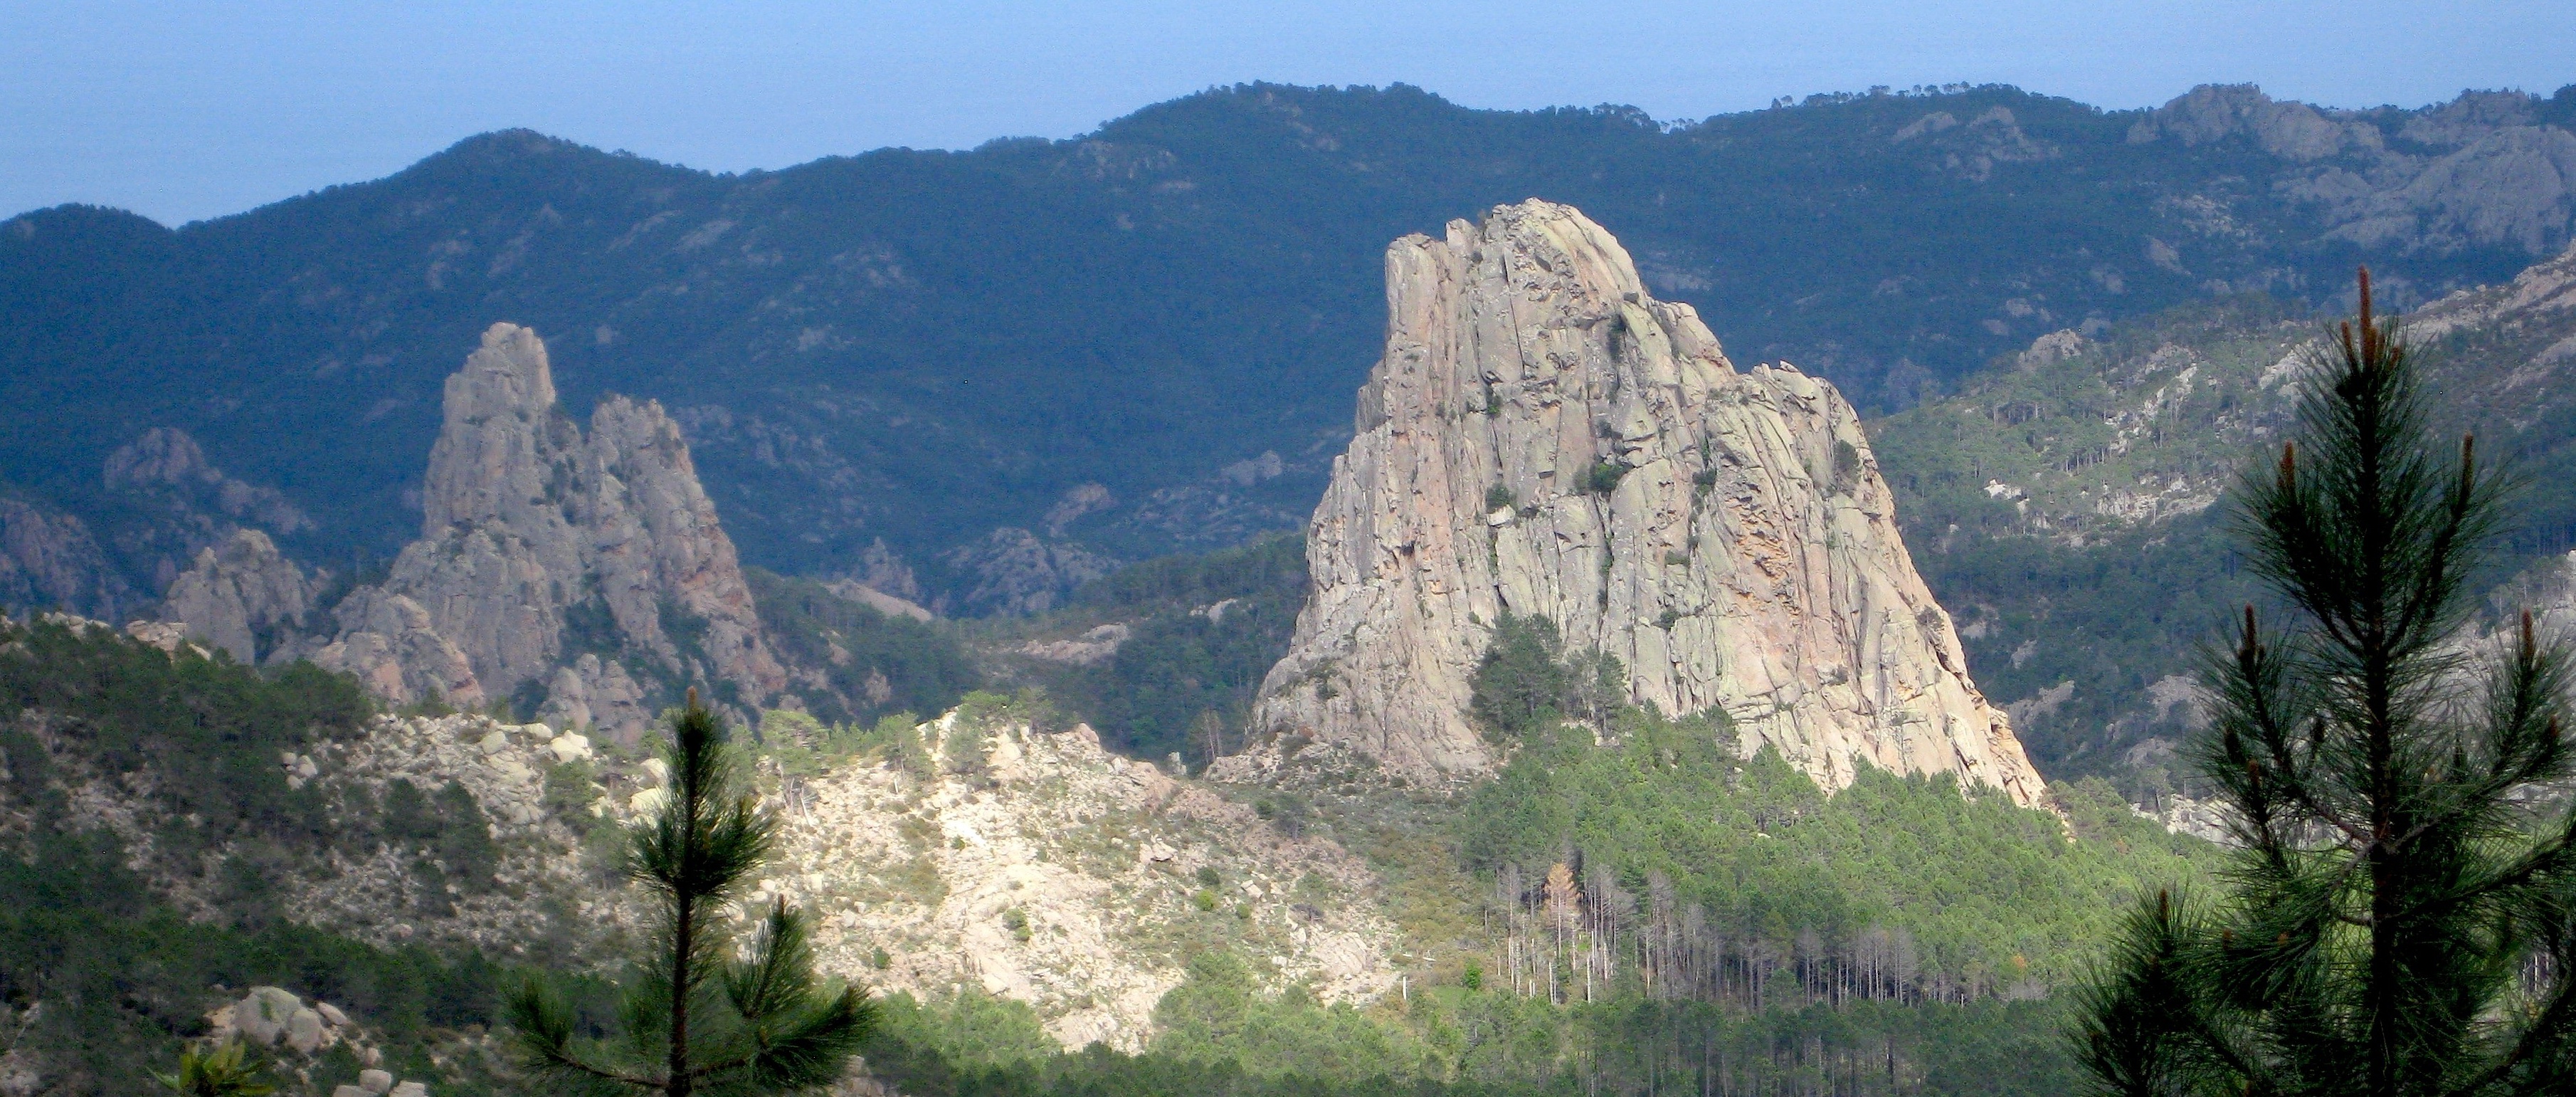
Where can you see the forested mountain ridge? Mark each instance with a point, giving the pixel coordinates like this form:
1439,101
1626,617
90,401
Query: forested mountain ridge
1019,364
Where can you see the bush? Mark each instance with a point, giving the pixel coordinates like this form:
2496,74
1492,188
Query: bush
1604,477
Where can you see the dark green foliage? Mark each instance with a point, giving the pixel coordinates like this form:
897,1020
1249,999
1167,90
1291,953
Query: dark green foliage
700,1016
1604,476
208,730
1527,683
1897,888
449,829
1224,1035
124,979
2399,918
221,1072
917,666
1499,497
1268,565
1847,467
1981,894
2107,617
1178,665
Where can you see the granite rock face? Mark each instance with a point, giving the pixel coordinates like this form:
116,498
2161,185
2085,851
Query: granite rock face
1543,437
1051,875
172,502
542,546
2482,170
241,591
1014,571
49,558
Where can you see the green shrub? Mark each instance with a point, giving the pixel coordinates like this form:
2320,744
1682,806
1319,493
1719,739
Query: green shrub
1604,477
1499,497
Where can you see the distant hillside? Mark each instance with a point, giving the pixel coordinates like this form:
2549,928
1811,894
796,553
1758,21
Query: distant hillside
1018,365
2068,505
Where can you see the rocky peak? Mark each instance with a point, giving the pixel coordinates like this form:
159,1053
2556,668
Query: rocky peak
502,444
1543,437
588,568
49,558
241,592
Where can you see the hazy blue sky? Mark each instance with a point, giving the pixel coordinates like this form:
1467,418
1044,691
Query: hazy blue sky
185,110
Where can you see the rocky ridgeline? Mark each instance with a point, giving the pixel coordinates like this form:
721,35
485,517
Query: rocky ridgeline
1544,438
548,556
1043,868
378,890
379,895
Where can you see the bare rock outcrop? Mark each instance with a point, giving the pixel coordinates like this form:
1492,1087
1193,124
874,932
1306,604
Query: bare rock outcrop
1044,868
172,502
540,541
1542,437
240,592
2481,171
50,559
1014,571
393,647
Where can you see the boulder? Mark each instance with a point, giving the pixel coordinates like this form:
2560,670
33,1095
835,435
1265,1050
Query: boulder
304,1030
261,1016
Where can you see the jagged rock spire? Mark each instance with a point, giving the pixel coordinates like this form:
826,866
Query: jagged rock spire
1544,437
548,556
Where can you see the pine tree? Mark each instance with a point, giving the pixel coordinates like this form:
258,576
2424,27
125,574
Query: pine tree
703,1017
2399,917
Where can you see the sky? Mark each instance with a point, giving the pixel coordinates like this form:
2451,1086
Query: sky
181,110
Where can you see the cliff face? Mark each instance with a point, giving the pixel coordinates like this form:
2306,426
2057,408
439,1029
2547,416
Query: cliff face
1542,437
49,558
242,595
553,562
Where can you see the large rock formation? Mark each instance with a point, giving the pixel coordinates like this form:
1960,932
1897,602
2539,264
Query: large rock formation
168,502
1542,437
242,596
49,559
548,557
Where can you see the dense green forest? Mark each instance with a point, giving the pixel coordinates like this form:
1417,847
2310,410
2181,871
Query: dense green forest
921,346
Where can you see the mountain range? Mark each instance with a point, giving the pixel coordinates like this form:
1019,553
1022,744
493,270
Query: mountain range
986,376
